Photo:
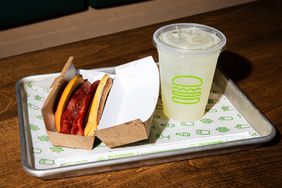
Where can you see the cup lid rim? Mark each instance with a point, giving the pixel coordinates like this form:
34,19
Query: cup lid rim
159,44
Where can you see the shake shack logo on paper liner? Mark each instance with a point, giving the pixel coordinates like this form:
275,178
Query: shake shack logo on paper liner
186,89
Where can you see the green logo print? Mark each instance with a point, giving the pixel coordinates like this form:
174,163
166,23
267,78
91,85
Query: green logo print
37,150
202,132
211,110
226,118
186,89
31,86
46,161
227,108
209,143
56,149
39,117
254,134
74,163
32,106
242,126
43,138
183,123
222,129
161,136
121,155
212,101
101,158
34,127
206,121
186,134
167,124
39,98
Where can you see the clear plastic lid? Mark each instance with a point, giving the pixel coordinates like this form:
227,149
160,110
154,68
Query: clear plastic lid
189,38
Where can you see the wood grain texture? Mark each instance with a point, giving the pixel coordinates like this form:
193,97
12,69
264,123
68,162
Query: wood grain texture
252,59
98,22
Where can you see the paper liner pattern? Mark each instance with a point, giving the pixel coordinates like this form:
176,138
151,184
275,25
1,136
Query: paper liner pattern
221,123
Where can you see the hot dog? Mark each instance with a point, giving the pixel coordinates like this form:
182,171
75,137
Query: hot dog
81,105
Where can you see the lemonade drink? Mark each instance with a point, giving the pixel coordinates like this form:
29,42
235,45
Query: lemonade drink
188,56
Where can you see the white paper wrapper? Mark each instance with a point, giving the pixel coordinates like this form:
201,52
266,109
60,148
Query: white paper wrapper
221,123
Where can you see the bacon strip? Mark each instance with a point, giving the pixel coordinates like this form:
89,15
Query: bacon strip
72,108
75,113
79,121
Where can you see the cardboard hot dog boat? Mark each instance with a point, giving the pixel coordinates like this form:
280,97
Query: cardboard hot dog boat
128,108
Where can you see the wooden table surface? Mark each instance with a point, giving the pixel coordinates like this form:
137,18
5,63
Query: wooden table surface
252,59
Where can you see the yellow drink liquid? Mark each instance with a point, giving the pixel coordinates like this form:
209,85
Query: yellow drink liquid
184,94
187,68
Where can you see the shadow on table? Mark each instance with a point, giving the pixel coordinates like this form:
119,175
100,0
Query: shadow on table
275,140
237,68
234,66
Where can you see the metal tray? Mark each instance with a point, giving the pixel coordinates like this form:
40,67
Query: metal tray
246,108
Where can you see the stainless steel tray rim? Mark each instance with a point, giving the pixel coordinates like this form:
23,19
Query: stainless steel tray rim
43,173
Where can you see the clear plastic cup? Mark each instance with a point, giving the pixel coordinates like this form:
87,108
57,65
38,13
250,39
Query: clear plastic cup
188,54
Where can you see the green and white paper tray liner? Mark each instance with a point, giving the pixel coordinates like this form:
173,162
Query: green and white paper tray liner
221,123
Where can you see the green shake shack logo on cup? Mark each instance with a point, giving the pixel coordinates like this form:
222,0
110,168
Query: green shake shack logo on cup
186,89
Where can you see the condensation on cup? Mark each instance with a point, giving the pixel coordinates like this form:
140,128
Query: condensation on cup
188,54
